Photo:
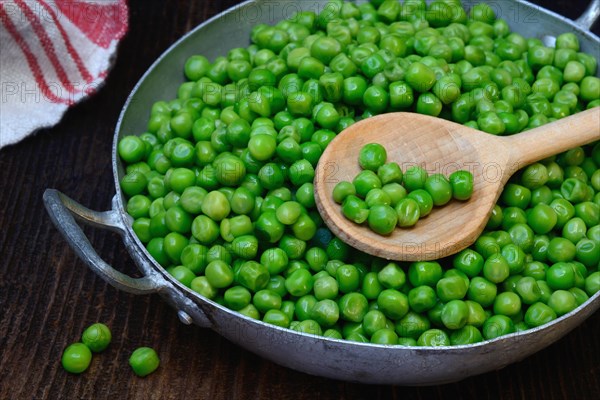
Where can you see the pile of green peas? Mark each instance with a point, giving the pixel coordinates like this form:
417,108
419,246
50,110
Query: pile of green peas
377,194
77,357
220,186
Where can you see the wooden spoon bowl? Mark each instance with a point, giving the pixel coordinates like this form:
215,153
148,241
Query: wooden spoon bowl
439,146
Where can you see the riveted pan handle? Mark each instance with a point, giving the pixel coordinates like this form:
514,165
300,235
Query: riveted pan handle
62,209
589,16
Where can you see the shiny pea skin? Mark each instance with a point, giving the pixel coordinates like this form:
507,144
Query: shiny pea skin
144,361
496,326
382,219
539,314
408,212
439,188
462,185
76,358
433,338
372,156
455,314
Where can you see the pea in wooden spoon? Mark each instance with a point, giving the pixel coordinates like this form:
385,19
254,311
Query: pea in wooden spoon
439,146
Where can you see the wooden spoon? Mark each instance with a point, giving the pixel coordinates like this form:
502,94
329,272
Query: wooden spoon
439,146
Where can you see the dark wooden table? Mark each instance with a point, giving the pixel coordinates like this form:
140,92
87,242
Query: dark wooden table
48,296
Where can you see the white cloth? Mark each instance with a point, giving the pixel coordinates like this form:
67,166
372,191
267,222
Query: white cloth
53,54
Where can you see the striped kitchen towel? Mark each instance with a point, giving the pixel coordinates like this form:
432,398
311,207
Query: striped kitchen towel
54,53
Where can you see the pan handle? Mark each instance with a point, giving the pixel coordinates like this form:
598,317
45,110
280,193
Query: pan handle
589,16
62,211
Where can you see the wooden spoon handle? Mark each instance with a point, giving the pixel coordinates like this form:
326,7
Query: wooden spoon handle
547,140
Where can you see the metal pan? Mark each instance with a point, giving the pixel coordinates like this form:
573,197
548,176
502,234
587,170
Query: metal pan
338,359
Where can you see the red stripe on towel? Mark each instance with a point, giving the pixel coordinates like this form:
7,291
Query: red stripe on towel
47,45
31,60
72,51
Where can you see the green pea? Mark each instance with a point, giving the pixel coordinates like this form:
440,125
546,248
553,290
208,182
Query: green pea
515,195
454,314
301,172
372,156
561,249
144,361
539,314
590,88
219,274
542,195
277,318
451,288
353,307
395,191
268,227
326,288
587,251
462,185
433,338
482,291
389,173
373,321
382,219
496,326
183,275
424,201
512,216
299,283
535,269
422,298
76,358
348,278
237,297
469,262
252,275
392,276
414,178
476,314
365,181
420,77
131,149
466,335
574,230
429,104
371,287
265,300
424,273
325,312
592,283
522,236
589,212
561,275
439,188
507,303
355,209
496,268
216,206
392,303
342,190
377,197
580,295
133,183
496,217
376,99
562,302
573,190
412,325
